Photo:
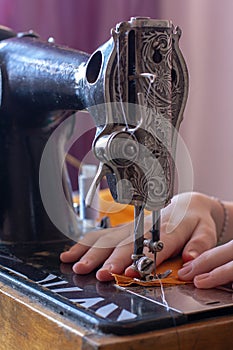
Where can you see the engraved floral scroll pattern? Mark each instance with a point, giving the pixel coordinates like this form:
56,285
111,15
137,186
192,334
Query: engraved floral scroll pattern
155,58
159,76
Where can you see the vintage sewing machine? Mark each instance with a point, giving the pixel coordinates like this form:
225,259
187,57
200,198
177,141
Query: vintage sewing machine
135,87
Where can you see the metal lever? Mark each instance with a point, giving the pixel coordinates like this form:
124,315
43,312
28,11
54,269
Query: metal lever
101,172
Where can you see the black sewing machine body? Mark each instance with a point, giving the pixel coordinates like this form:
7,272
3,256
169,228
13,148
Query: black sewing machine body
42,85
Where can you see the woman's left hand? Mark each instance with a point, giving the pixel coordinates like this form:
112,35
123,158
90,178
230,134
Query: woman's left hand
211,269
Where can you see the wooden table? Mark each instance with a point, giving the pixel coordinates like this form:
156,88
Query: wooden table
27,325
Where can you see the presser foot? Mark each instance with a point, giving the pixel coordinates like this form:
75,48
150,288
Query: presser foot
145,267
152,277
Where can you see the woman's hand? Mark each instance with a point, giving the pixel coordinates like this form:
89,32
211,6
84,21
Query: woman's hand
189,225
110,248
211,269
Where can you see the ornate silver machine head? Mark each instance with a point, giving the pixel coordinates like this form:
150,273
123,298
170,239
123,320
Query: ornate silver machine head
146,87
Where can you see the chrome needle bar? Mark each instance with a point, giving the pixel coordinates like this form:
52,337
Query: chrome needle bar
155,233
138,235
138,230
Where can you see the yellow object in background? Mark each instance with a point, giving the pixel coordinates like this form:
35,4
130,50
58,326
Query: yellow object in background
117,213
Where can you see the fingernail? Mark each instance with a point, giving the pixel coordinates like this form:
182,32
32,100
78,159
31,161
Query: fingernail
185,270
80,266
104,274
107,267
193,254
83,262
187,263
202,277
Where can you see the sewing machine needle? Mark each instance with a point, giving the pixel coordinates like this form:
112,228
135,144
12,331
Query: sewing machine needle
138,230
155,232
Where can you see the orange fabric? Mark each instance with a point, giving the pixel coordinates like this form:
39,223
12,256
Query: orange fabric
171,264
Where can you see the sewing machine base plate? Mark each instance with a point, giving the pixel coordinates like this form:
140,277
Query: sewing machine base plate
35,270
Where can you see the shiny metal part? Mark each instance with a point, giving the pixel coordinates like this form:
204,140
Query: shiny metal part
186,298
144,266
153,247
164,274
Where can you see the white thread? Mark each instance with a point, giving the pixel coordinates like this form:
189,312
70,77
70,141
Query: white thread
164,301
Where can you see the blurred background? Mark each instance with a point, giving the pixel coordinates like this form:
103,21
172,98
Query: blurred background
206,43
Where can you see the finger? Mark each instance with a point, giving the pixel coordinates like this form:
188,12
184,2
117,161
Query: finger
91,260
207,261
101,251
131,272
80,248
217,277
106,238
174,233
74,253
172,244
91,238
203,238
117,262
